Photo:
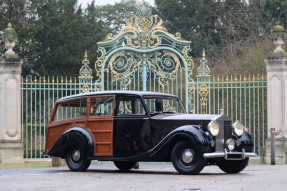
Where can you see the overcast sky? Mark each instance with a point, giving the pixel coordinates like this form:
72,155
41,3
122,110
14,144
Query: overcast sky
104,2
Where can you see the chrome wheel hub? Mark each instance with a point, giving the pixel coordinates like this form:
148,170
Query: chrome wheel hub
76,155
187,156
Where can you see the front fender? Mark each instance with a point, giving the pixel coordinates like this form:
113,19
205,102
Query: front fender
190,133
245,142
75,136
194,135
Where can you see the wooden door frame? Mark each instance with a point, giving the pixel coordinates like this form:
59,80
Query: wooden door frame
101,118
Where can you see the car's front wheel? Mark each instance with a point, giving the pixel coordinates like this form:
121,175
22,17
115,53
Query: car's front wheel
76,161
125,165
233,166
187,160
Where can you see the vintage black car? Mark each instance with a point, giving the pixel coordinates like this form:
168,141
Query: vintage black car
128,126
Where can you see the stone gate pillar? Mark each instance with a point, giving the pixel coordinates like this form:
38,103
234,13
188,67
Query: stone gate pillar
277,97
11,145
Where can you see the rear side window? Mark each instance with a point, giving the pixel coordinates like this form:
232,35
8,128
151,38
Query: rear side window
71,109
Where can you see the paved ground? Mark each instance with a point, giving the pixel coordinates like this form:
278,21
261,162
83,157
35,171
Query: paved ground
155,176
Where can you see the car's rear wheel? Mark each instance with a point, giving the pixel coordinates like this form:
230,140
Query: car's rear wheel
233,166
76,161
187,160
125,165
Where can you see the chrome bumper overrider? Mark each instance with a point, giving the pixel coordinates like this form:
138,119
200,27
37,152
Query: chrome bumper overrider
229,155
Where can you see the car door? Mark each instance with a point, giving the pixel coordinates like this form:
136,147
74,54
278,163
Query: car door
100,122
132,127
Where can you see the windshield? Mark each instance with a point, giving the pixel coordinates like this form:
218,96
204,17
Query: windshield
164,105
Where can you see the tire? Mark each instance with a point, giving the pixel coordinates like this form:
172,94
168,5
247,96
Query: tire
76,161
233,166
183,162
125,165
88,163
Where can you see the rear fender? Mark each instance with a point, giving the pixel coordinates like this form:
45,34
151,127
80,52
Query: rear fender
75,136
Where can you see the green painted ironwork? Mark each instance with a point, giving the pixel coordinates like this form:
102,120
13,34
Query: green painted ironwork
86,78
146,57
203,85
243,99
38,98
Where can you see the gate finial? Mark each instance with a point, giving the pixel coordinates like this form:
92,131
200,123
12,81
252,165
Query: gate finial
86,56
203,69
203,54
85,74
85,71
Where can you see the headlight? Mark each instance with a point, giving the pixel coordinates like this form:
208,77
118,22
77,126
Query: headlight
213,128
238,128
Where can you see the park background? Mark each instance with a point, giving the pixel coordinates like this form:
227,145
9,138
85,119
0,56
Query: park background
53,34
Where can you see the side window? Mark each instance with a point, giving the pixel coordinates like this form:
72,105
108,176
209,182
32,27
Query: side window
158,105
154,105
130,106
102,106
169,105
71,109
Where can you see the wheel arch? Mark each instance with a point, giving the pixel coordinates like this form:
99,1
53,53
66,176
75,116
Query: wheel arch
72,137
189,133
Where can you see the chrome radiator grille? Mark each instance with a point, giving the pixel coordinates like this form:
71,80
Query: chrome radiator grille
225,133
227,130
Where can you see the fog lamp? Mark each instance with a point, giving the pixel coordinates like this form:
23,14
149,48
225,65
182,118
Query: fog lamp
230,144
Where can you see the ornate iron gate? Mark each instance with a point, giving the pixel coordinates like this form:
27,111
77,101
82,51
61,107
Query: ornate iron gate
146,57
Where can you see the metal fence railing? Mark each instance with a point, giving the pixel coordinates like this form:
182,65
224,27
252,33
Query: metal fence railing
242,98
38,98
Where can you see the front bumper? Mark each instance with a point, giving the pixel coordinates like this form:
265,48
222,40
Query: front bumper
229,155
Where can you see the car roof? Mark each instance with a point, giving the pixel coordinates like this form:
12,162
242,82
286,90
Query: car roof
117,92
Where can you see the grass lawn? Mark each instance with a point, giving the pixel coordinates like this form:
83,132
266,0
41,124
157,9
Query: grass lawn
25,165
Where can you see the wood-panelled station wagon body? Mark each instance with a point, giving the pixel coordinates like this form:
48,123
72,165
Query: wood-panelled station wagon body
127,127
